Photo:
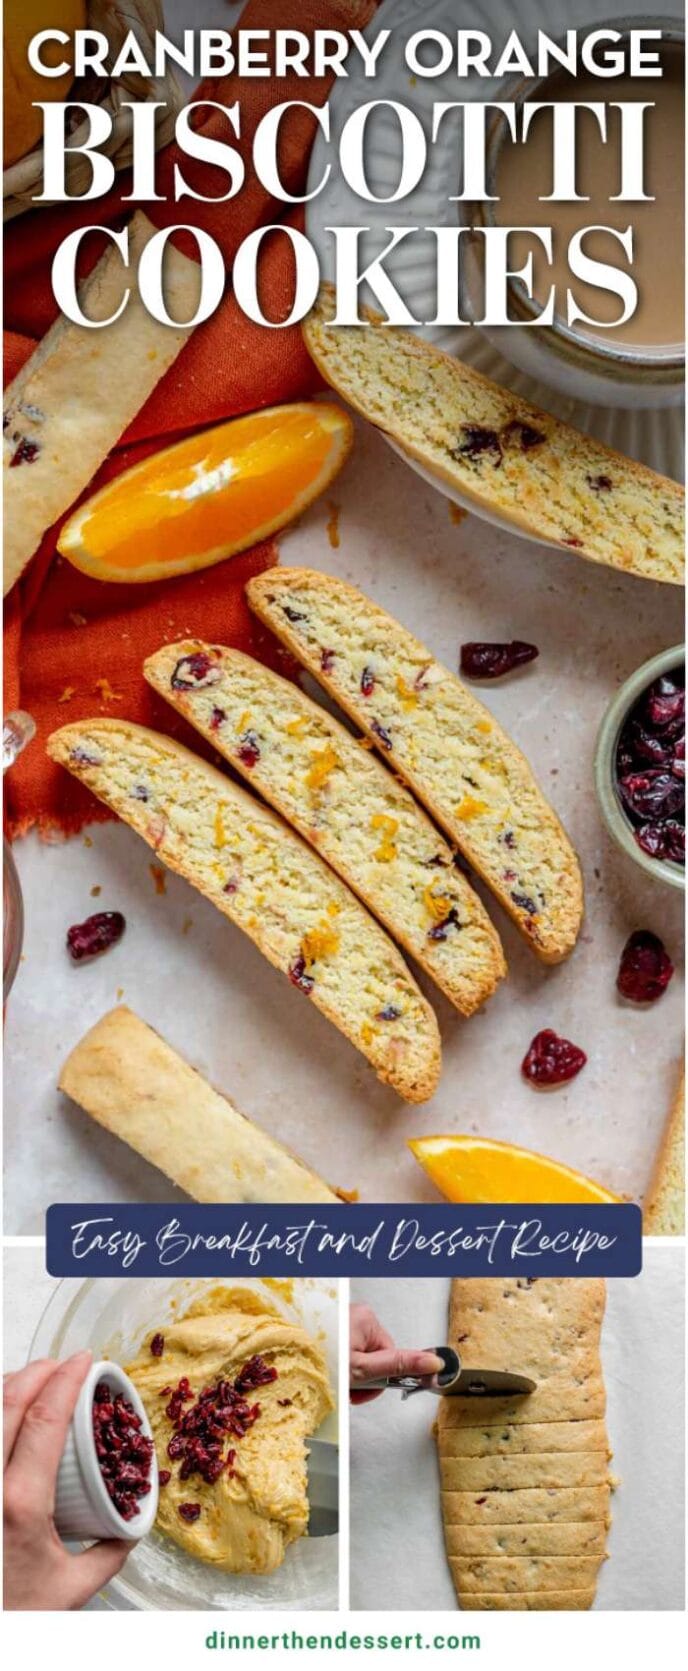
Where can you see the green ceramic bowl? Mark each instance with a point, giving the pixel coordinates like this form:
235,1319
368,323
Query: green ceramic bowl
619,826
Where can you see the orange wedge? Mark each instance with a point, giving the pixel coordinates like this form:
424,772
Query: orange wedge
480,1170
209,496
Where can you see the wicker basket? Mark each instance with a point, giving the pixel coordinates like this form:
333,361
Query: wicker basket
142,17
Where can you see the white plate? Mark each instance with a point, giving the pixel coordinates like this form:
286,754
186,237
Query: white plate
654,437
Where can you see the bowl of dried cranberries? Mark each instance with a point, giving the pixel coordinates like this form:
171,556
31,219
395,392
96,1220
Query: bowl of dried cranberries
640,764
107,1482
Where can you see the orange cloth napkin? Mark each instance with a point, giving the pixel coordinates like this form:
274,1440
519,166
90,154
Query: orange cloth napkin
73,647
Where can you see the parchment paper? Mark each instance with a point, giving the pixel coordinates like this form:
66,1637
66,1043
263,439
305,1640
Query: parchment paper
196,978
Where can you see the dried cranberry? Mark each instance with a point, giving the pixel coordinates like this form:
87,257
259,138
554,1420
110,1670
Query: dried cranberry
383,735
441,929
255,1373
195,672
478,439
600,484
367,681
492,661
26,453
552,1060
157,1345
284,1403
522,435
164,1476
645,968
82,757
189,1512
140,792
217,718
294,614
389,1013
525,903
652,794
299,977
248,751
327,660
125,1454
648,746
95,935
674,841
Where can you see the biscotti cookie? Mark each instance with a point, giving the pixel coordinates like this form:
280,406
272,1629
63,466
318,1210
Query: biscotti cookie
131,1082
267,881
441,740
547,1539
513,1439
507,456
549,1329
531,1470
343,801
81,388
569,1505
664,1209
521,1573
534,1601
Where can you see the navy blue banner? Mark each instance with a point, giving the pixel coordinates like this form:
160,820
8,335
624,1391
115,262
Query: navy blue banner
399,1240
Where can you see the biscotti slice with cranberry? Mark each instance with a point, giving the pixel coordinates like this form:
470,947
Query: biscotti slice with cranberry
267,881
136,1086
441,740
81,388
344,802
553,482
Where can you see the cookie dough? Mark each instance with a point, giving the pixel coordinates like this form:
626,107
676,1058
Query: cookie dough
254,1510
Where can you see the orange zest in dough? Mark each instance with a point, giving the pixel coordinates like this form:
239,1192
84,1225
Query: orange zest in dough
323,764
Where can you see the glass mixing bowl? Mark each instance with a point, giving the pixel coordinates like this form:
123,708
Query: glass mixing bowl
111,1315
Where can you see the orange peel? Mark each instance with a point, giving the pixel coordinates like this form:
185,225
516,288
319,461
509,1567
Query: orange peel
209,496
482,1170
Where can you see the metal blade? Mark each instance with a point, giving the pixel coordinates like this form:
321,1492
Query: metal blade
323,1488
487,1383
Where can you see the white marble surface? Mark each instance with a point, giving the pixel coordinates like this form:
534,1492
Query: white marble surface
200,982
397,1547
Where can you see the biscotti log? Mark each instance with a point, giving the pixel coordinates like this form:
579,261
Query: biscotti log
441,740
525,1526
507,456
664,1210
81,388
267,881
343,801
135,1085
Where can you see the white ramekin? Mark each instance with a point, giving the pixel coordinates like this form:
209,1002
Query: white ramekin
619,826
83,1509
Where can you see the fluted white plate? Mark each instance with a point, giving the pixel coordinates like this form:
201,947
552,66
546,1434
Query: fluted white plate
654,437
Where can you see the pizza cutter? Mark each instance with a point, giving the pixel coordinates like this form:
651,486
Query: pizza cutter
453,1381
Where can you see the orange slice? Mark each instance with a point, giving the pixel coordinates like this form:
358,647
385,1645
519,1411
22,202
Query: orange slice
480,1170
209,496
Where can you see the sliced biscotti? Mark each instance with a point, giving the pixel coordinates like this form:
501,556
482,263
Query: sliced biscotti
441,740
344,802
81,388
520,1573
531,1521
533,1506
533,1601
502,453
534,1469
664,1207
572,1538
135,1085
267,881
512,1439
